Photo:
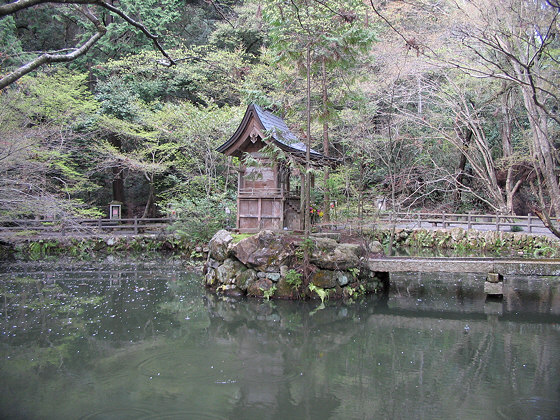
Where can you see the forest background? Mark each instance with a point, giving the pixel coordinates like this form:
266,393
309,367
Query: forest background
441,105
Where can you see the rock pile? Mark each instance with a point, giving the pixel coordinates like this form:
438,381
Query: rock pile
270,264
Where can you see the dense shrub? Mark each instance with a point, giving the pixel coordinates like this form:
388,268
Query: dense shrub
197,220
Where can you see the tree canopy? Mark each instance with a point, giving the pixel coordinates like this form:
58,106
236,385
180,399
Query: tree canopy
444,106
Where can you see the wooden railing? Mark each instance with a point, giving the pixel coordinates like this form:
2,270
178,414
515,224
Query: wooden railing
87,226
529,223
260,192
497,222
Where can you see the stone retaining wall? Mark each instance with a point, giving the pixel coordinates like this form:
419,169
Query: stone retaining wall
270,265
458,238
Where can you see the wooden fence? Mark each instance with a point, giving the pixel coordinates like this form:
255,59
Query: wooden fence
529,224
87,226
470,221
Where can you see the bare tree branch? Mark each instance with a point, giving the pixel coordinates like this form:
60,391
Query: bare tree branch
56,58
138,25
546,221
101,30
11,8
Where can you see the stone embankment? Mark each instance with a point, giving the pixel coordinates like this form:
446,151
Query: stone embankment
270,265
464,240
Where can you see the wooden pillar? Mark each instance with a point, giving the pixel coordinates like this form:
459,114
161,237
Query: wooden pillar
282,212
239,186
259,213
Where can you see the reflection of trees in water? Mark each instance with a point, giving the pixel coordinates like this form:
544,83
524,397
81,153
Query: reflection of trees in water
56,320
271,360
373,362
539,294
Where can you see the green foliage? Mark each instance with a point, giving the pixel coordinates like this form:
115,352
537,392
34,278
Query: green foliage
356,292
42,248
207,76
118,99
199,219
43,146
238,237
243,33
307,244
322,293
10,45
60,96
268,293
294,279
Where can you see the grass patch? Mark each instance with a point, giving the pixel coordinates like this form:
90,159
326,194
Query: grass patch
238,237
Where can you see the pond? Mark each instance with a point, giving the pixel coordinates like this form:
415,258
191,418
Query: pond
145,341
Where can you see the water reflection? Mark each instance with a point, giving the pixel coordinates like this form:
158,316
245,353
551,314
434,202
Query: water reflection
145,341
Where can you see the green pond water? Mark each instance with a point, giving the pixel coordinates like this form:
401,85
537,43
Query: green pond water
145,341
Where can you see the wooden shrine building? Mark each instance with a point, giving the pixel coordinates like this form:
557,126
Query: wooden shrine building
265,197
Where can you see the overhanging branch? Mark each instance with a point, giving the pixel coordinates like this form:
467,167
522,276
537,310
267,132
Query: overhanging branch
56,58
101,30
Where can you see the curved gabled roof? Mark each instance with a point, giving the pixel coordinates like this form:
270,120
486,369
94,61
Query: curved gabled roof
267,124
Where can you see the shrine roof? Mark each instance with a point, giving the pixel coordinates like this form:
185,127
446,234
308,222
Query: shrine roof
271,126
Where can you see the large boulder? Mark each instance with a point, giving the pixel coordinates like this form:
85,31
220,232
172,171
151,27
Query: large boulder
245,278
266,251
376,247
325,279
218,246
228,271
337,257
259,286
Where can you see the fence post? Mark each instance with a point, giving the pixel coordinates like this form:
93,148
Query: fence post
497,223
444,224
529,223
135,225
469,221
419,221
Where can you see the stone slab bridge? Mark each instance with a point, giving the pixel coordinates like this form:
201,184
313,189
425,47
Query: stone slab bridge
494,268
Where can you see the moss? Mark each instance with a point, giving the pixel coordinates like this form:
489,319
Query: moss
238,237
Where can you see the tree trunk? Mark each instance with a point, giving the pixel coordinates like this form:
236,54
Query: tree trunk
149,209
118,180
327,195
511,187
307,219
461,169
542,145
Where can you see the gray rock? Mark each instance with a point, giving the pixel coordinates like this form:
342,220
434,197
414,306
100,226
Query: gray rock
493,288
228,271
324,279
284,290
218,246
375,246
273,276
211,263
210,278
243,279
341,257
323,244
258,287
342,278
266,251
